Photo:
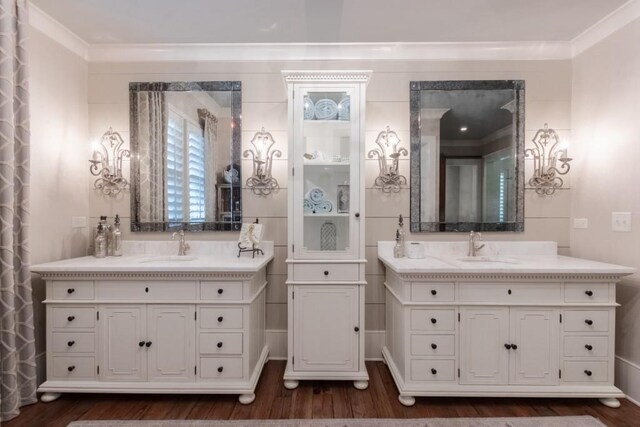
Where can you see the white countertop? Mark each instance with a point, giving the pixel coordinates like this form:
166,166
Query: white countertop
157,257
513,257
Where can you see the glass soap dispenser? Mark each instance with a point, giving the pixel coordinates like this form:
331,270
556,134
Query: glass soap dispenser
100,243
117,237
400,233
398,250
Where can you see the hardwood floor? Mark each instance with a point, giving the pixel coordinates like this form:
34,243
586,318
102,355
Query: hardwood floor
312,399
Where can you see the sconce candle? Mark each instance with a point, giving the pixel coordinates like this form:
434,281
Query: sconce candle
106,164
389,152
546,155
261,182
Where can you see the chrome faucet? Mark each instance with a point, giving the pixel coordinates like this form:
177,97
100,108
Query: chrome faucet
184,246
473,246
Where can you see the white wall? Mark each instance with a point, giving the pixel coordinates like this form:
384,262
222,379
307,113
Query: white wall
59,154
606,148
548,99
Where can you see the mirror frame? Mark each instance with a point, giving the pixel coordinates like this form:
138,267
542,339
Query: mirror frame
235,87
416,88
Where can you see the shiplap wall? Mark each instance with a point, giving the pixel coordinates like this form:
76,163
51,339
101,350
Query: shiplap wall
548,100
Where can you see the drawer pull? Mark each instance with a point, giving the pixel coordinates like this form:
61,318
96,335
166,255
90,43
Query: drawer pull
220,369
433,292
219,345
514,347
433,371
434,346
357,329
71,318
71,368
434,320
220,291
220,319
588,322
509,291
148,344
70,343
589,293
141,344
588,372
326,272
70,290
357,214
146,289
588,347
507,346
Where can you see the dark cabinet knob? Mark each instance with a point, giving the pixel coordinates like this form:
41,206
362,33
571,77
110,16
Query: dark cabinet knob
589,293
588,347
148,344
588,322
220,291
71,318
433,292
507,346
220,369
434,320
71,343
219,345
509,291
326,272
141,343
434,346
433,371
70,290
357,329
71,368
220,319
146,289
357,214
514,347
588,372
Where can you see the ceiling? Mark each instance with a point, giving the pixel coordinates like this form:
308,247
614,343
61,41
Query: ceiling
326,21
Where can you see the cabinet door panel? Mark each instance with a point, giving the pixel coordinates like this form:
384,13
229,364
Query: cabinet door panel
483,356
536,333
324,321
171,331
122,328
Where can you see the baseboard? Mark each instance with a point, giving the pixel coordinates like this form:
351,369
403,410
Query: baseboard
628,379
277,341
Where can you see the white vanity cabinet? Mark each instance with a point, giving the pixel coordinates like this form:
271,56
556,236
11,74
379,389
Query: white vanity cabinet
326,278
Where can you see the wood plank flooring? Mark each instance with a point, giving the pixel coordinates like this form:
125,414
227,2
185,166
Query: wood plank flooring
312,399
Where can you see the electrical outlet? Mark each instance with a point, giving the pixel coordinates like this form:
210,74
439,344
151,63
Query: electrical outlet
78,222
621,221
580,223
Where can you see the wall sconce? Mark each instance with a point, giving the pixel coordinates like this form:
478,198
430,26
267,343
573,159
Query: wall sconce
106,163
546,155
261,182
389,180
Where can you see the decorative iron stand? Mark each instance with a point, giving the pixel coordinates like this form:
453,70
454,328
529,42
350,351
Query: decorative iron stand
252,249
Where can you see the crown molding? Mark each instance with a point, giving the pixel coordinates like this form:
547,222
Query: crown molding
608,25
53,29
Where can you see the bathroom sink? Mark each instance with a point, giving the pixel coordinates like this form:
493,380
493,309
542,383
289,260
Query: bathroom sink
169,258
492,259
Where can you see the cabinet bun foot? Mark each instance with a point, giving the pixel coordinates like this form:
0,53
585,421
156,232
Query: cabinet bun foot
361,385
246,399
291,384
610,402
49,397
407,400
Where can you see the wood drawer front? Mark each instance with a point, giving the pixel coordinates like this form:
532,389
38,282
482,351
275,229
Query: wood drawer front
433,320
73,342
220,317
220,368
133,290
432,370
586,346
220,343
433,292
586,292
510,292
220,291
326,272
577,371
73,317
586,320
73,367
433,345
72,290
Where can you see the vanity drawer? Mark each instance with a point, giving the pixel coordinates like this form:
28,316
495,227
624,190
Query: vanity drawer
433,292
510,292
433,320
73,367
73,342
220,343
586,346
326,272
73,317
586,292
220,368
586,320
72,290
220,317
432,370
433,345
579,370
220,291
134,290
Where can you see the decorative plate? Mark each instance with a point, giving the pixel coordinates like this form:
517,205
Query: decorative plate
309,108
326,109
231,175
344,109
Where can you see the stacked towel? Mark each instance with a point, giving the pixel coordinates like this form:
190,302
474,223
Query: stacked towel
316,202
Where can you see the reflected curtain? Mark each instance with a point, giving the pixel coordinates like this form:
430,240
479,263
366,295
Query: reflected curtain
17,341
152,142
210,140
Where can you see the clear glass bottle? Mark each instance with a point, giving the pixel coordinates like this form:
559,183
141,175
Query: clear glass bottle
397,249
100,243
108,234
401,234
117,237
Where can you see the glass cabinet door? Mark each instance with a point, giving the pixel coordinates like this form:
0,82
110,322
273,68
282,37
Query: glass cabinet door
326,188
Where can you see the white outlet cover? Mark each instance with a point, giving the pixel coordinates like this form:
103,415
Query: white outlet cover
580,223
621,221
